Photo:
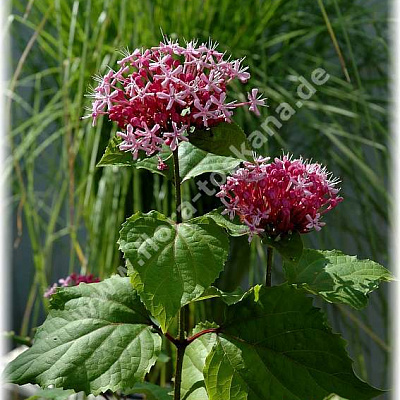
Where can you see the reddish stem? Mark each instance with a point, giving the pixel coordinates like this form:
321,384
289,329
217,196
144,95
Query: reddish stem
197,335
172,339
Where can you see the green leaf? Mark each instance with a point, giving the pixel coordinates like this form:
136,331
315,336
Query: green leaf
224,139
151,163
193,386
171,265
290,246
51,394
276,345
152,392
228,298
194,162
234,227
336,277
97,337
113,156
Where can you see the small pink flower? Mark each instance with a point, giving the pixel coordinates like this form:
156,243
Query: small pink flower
239,71
281,196
255,101
204,112
67,281
314,222
173,138
172,97
51,290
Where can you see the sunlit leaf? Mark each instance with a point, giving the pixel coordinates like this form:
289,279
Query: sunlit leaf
336,277
171,264
97,337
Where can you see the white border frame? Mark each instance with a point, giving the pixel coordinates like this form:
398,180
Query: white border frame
394,287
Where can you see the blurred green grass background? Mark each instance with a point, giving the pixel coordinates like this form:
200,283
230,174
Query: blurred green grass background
67,212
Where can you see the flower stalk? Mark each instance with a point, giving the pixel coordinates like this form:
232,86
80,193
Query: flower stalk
177,183
181,343
268,276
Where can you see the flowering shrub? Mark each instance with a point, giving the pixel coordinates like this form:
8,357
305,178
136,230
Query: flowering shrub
280,197
271,343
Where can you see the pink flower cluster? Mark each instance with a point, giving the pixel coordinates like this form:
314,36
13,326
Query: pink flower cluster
159,95
71,280
279,197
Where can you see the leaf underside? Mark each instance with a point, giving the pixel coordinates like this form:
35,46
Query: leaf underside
193,386
234,227
194,162
225,139
228,298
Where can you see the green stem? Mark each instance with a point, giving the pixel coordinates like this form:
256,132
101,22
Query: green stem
181,324
268,278
177,182
181,344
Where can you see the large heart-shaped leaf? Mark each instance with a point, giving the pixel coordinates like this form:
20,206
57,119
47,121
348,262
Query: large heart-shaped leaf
276,345
193,386
336,277
97,337
171,264
224,139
